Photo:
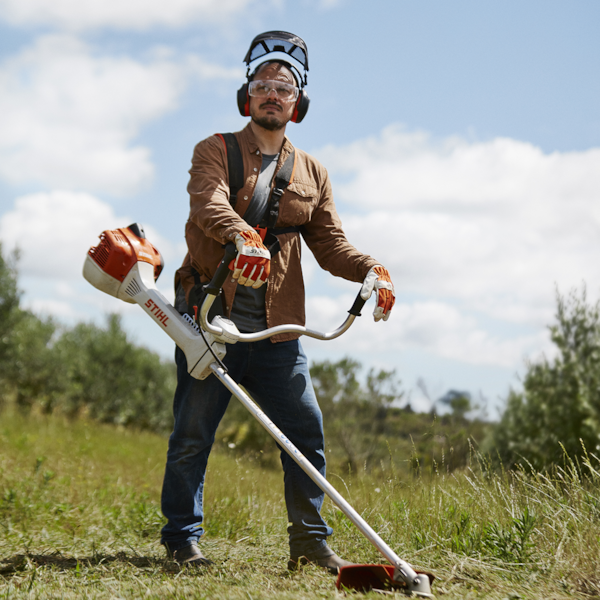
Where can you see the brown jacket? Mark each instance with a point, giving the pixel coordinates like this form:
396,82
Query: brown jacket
307,201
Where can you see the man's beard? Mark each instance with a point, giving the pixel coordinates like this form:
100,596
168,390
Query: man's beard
270,123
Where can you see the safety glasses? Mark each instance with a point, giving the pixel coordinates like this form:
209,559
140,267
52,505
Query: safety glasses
286,92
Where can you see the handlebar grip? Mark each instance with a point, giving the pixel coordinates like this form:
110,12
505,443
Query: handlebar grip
216,283
359,302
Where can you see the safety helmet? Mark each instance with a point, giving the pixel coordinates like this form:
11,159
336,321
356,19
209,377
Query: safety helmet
284,43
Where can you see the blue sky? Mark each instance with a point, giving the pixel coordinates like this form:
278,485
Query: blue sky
462,139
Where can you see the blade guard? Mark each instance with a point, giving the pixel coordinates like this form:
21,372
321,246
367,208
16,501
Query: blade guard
126,265
364,578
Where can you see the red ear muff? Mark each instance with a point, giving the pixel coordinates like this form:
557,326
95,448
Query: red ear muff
243,101
301,107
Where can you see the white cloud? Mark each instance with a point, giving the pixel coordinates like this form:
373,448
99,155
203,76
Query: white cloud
68,117
492,225
328,4
456,175
131,14
431,326
54,231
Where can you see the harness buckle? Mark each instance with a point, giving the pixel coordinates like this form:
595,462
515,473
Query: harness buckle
262,231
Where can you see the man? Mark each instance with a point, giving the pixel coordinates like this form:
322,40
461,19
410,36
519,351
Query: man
264,291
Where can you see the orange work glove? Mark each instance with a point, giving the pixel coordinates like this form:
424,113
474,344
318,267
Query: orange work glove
378,278
252,265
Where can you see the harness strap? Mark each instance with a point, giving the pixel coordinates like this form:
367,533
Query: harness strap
283,178
271,241
235,165
266,228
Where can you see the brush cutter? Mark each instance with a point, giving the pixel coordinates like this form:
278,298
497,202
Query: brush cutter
126,265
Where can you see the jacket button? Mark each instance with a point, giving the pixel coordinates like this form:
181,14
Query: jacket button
245,197
255,169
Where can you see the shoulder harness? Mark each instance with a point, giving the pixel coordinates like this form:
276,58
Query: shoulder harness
235,164
266,228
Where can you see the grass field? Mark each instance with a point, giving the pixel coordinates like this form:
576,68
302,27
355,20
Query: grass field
80,518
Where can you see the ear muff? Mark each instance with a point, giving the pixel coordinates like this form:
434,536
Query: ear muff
300,110
301,107
243,101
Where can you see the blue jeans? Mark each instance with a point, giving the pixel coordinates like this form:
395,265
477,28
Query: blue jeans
278,379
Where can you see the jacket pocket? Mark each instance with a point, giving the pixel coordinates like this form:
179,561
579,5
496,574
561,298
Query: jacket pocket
297,204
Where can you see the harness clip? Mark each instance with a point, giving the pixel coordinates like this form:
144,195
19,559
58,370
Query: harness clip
262,231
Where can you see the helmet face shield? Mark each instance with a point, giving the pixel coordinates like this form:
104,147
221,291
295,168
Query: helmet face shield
279,41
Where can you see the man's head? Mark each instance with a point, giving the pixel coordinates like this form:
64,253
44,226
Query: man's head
273,93
293,47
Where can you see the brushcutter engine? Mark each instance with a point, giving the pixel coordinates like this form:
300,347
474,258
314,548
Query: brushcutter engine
126,265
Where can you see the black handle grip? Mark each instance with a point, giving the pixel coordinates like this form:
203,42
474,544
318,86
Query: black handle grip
357,306
216,283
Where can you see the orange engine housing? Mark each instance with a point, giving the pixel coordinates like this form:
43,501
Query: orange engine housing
120,249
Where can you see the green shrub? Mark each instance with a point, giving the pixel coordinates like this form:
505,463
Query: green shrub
365,430
28,369
83,369
112,380
558,411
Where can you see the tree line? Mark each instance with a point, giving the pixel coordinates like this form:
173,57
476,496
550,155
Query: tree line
98,373
84,370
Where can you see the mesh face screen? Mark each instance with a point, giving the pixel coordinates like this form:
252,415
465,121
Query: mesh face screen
267,46
278,41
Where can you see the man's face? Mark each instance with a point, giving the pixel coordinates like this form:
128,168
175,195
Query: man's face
271,112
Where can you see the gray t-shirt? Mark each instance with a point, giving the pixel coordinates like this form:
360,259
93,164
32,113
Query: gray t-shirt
248,310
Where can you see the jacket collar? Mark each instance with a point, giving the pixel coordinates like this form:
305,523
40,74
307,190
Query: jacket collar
250,139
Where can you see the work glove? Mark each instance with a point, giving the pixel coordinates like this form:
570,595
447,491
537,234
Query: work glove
378,278
252,265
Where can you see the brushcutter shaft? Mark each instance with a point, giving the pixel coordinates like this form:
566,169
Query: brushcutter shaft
405,570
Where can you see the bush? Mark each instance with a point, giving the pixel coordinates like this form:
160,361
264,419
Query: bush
85,369
9,305
28,371
365,429
112,380
558,412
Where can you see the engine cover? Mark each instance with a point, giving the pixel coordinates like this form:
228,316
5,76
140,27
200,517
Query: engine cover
126,265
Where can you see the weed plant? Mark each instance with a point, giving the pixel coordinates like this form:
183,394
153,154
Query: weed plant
80,518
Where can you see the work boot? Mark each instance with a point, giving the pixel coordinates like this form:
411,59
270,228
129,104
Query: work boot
190,555
324,557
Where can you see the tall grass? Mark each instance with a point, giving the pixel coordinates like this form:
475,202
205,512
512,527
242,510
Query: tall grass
80,518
